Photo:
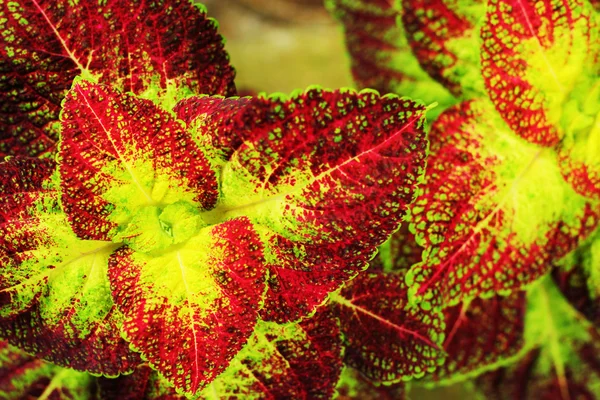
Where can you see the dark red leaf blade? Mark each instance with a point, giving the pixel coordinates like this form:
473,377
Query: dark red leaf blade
300,361
163,49
327,176
471,214
54,296
354,385
539,60
444,37
128,168
294,361
564,358
386,338
481,335
194,305
380,55
24,377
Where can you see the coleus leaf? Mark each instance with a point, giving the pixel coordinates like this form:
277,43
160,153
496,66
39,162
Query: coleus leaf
444,37
162,49
398,253
536,55
481,335
381,57
387,339
189,310
129,171
23,376
541,62
325,175
484,219
295,361
578,279
299,361
55,299
353,385
564,362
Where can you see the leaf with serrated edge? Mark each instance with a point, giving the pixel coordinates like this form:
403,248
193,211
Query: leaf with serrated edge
540,59
380,55
293,361
163,50
486,222
24,377
129,171
326,175
55,300
386,338
190,309
563,364
481,335
444,37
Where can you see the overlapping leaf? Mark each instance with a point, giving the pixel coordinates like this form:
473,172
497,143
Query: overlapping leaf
129,170
25,377
487,223
564,363
398,253
191,309
163,49
326,175
480,335
443,35
354,385
55,297
386,338
541,62
380,55
300,361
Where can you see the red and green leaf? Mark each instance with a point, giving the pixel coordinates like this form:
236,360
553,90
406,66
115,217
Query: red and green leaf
55,300
540,59
191,309
25,377
130,172
481,335
564,363
486,222
578,279
354,385
444,37
293,361
163,49
380,55
326,175
398,253
386,338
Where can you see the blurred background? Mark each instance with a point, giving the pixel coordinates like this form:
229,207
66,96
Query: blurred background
282,45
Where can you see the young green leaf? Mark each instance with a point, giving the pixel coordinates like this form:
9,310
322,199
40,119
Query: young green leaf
386,338
487,223
191,309
326,175
129,171
162,49
444,37
381,57
24,377
55,299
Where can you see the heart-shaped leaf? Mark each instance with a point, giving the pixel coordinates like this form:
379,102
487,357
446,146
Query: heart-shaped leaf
486,222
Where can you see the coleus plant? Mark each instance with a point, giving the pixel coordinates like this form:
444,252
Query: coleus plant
175,243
